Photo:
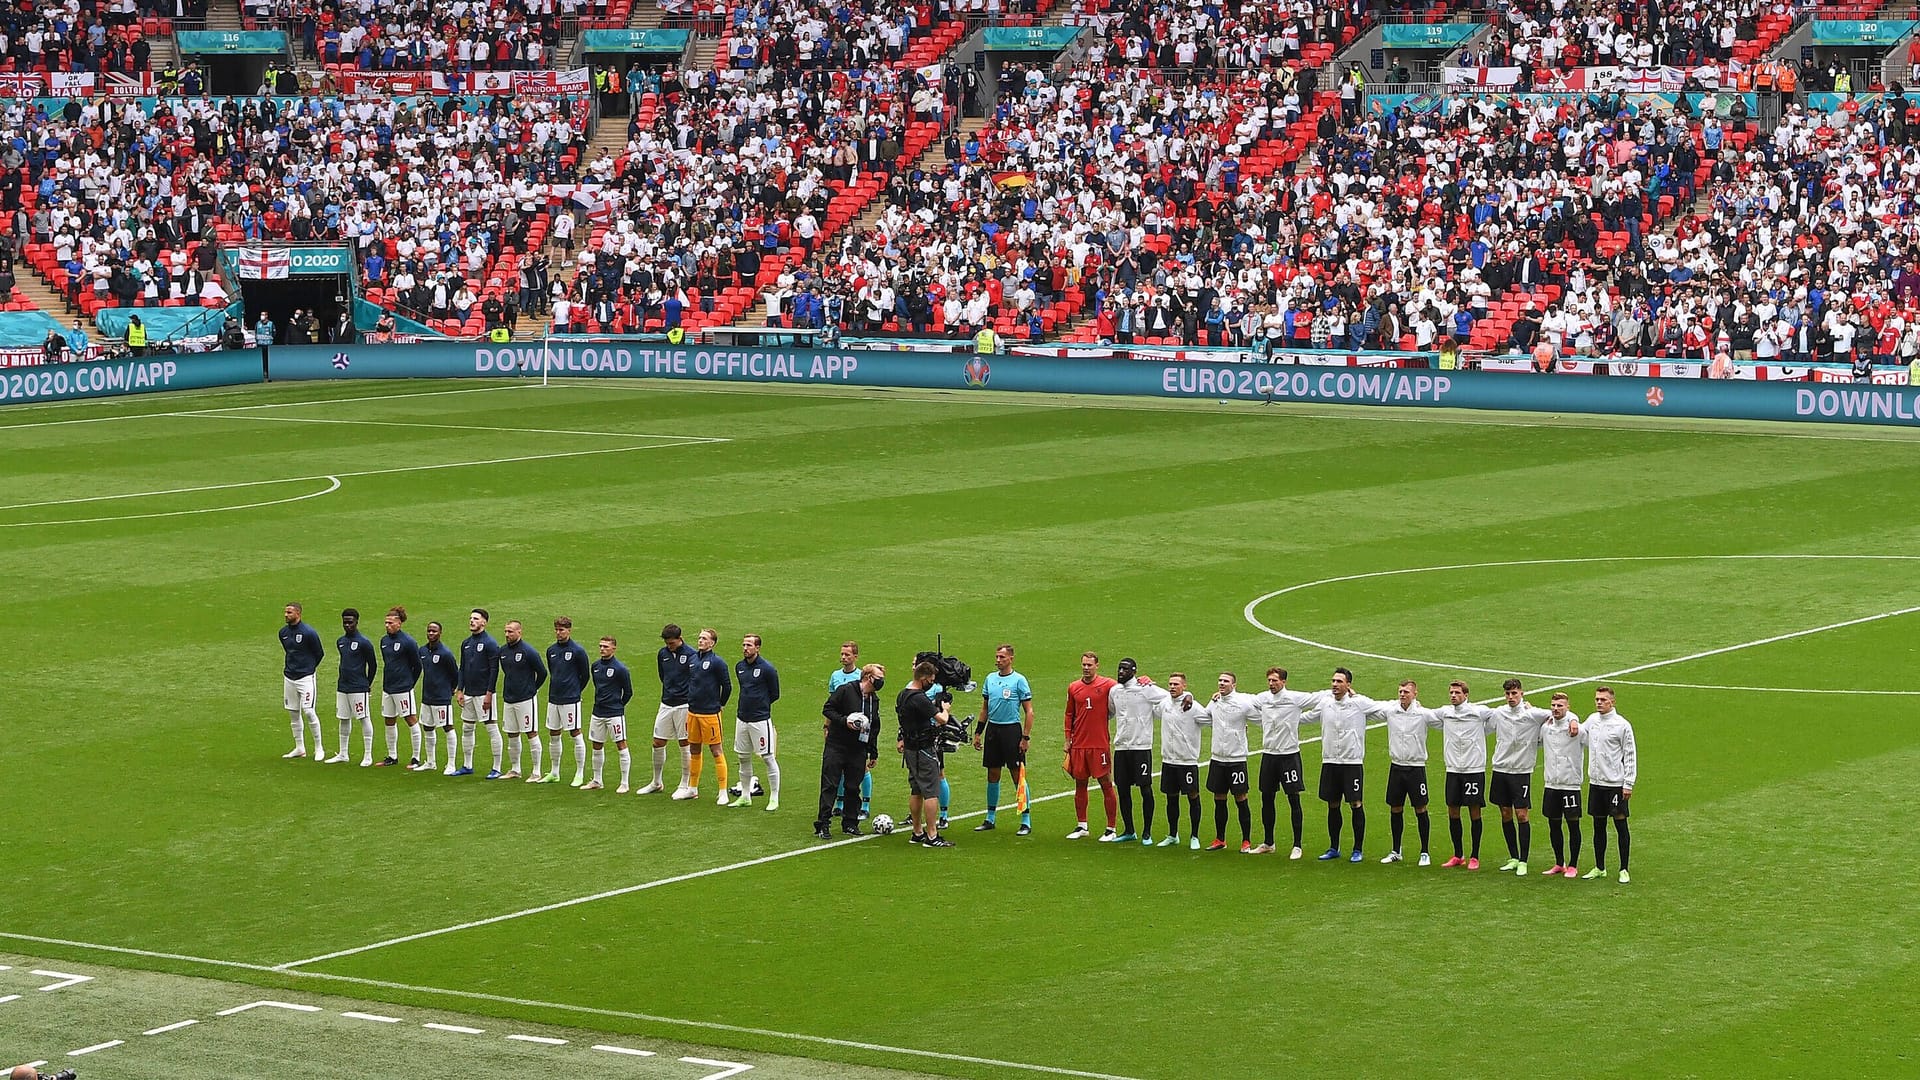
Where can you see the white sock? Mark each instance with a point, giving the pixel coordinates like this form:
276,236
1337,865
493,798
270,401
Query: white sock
538,748
366,735
433,743
579,755
414,735
746,776
453,744
468,740
659,762
495,739
553,748
599,763
313,721
773,776
299,730
513,753
346,735
626,765
686,766
393,740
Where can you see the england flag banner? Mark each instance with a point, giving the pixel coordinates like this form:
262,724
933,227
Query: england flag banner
261,264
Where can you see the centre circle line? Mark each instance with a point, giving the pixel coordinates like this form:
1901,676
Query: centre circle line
333,485
1248,613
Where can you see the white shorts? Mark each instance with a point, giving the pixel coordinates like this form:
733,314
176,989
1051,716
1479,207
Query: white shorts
349,706
754,738
517,717
437,716
396,705
670,723
563,717
606,729
298,694
475,711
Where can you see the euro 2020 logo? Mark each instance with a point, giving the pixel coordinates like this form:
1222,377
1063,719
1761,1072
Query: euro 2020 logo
978,372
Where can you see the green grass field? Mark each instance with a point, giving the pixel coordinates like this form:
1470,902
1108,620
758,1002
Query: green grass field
1750,591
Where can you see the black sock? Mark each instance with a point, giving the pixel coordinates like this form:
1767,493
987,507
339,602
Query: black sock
1425,826
1525,829
1559,842
1193,814
1573,841
1600,844
1477,826
1220,819
1513,840
1173,816
1359,827
1453,827
1299,817
1146,812
1333,826
1266,817
1626,839
1246,821
1126,807
1399,827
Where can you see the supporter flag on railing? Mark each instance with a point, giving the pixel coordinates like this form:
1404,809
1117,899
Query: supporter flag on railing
264,263
1490,78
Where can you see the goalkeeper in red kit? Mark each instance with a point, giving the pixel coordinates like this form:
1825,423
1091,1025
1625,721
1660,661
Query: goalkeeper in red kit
1090,745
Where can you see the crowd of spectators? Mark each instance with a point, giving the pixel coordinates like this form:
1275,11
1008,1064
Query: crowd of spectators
430,35
97,36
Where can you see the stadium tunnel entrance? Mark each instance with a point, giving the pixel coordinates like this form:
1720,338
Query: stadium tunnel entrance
325,295
228,73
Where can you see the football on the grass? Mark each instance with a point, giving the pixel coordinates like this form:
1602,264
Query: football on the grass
882,824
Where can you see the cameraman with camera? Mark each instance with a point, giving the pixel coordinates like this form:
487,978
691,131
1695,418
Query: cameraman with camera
852,729
922,722
28,1072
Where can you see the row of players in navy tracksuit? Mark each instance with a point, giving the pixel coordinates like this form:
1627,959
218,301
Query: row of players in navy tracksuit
695,683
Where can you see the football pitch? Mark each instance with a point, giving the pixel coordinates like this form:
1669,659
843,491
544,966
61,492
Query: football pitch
1750,591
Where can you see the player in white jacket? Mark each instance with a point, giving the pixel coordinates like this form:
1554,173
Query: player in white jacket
1613,765
1181,718
1565,747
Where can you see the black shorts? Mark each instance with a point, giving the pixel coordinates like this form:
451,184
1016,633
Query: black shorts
1341,783
1179,779
1000,746
1227,777
1407,784
1605,802
1561,802
1282,772
1466,789
1133,768
1513,790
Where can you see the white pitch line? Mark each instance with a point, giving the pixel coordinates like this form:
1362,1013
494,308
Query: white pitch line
435,427
627,1050
456,1029
66,979
539,1039
171,1027
692,875
1247,613
333,485
9,997
727,1068
800,1038
232,408
371,1016
110,1044
684,440
33,1064
287,1005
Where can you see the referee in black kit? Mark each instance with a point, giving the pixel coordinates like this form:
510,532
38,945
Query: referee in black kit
853,728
